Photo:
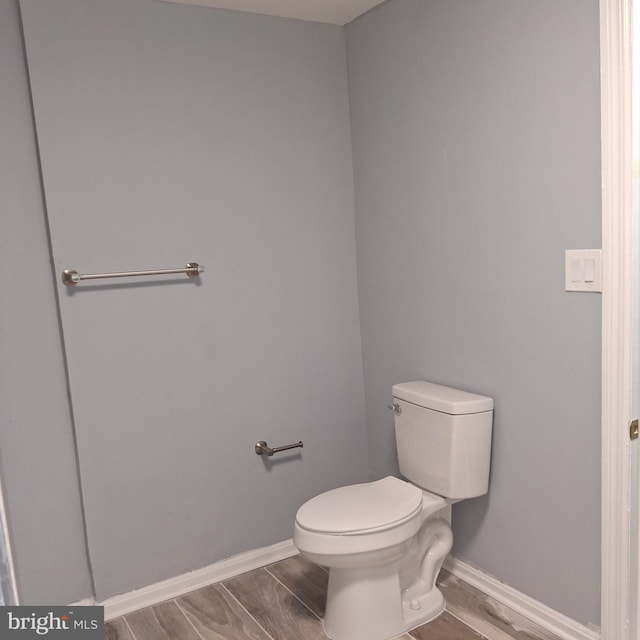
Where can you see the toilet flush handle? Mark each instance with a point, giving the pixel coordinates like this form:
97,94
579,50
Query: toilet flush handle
395,407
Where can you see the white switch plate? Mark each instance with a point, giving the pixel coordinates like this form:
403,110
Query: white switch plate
583,270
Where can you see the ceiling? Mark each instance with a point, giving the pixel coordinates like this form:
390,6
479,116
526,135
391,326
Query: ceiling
330,11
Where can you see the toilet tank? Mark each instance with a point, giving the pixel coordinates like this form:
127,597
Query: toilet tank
443,436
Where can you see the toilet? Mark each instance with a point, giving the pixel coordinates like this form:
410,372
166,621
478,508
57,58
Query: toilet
384,542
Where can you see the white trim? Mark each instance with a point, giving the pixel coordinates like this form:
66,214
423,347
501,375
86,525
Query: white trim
615,74
13,586
174,587
87,602
544,616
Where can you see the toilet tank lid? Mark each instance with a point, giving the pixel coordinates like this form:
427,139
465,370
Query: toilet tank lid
441,398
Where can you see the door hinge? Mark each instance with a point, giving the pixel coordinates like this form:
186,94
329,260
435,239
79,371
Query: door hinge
633,429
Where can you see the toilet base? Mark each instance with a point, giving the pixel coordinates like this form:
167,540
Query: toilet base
367,604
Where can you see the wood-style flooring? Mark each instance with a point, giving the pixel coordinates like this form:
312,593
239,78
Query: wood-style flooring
285,601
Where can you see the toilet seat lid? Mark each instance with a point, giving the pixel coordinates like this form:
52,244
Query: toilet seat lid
360,507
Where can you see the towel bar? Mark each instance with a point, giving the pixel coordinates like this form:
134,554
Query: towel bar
71,277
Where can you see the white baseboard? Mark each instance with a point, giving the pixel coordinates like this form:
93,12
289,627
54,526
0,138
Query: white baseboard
87,602
174,587
547,618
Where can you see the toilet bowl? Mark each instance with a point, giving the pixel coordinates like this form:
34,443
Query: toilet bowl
368,535
384,542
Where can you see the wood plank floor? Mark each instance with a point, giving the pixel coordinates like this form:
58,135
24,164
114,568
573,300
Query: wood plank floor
285,601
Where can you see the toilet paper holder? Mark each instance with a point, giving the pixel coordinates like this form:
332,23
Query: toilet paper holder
263,449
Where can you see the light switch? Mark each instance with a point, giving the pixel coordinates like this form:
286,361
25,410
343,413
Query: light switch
583,270
576,270
589,270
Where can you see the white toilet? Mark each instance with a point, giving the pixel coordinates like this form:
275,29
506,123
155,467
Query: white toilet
384,542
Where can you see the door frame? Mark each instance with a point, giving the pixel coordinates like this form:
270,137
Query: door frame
616,85
8,584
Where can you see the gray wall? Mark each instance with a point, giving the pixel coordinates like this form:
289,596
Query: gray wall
175,133
476,157
171,134
36,438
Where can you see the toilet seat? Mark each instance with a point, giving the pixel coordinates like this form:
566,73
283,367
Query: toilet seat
344,525
361,508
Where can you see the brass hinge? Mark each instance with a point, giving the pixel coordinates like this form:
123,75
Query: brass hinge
633,429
